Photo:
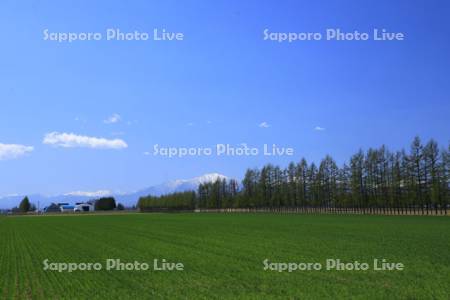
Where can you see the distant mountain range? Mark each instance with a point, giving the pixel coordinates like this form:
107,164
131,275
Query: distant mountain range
128,199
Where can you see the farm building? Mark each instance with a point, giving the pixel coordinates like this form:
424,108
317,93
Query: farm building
67,208
52,208
81,207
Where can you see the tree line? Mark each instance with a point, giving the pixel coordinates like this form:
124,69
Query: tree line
375,181
174,201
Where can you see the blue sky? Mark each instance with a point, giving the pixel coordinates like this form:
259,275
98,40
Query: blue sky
216,86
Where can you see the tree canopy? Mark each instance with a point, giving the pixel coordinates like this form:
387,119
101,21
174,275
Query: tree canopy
106,203
25,205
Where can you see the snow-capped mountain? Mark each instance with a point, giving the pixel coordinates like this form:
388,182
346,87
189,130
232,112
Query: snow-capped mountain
180,185
128,199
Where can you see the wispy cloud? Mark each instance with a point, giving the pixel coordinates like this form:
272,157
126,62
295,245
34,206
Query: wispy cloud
264,125
116,133
133,122
318,128
70,140
100,193
80,119
190,124
114,118
13,151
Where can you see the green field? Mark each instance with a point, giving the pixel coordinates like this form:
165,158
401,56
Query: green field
223,256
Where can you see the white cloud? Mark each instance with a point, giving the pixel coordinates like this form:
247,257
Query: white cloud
70,140
100,193
12,151
190,124
114,118
318,128
147,153
264,125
